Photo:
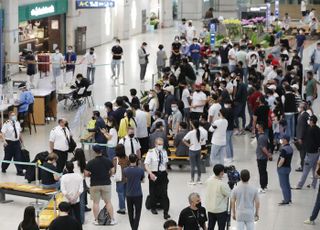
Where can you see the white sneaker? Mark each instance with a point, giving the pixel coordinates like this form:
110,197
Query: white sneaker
228,160
199,182
310,222
113,222
192,183
95,222
262,190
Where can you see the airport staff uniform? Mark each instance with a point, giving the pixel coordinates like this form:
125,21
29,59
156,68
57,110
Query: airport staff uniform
11,134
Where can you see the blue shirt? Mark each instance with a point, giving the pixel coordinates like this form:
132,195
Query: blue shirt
134,177
300,39
192,48
26,98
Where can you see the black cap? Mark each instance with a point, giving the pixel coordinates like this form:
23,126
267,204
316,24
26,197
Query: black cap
97,149
22,85
166,69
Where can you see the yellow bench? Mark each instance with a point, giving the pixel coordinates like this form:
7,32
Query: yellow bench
46,216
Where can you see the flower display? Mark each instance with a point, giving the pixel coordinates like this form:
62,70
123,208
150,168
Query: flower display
253,21
232,21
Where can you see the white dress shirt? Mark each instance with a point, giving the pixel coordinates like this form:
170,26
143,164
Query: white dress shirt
126,141
152,160
59,139
214,111
8,130
219,136
71,185
142,126
198,98
114,140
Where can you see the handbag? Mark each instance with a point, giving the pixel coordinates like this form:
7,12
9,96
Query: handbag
72,144
118,174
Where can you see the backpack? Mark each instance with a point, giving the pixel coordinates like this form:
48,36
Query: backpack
104,217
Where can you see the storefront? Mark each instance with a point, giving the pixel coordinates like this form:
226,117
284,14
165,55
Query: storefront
42,26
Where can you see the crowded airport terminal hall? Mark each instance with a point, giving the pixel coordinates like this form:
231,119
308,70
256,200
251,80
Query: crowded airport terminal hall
160,114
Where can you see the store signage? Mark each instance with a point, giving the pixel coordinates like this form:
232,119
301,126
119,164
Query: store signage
91,4
39,11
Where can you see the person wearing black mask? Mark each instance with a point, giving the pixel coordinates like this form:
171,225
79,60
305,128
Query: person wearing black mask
90,58
193,217
99,125
70,58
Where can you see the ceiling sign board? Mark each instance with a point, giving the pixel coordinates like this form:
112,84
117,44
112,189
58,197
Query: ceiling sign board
94,4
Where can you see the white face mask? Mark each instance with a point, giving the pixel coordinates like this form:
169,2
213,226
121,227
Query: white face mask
227,106
150,95
159,147
281,141
69,50
57,51
300,32
308,122
299,110
224,46
174,109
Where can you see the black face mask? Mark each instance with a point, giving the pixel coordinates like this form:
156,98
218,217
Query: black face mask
93,118
131,135
198,205
198,90
91,53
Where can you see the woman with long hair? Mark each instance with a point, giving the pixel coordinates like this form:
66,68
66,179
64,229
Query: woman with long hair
125,123
153,102
111,134
29,219
193,140
122,160
79,161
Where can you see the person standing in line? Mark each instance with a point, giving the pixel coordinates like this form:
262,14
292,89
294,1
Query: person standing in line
156,167
240,101
161,59
194,50
131,143
312,145
175,119
57,62
193,217
300,41
190,31
219,139
302,124
91,59
117,53
217,193
316,207
230,119
70,59
30,60
100,169
11,135
182,28
71,185
59,143
186,99
64,220
193,140
214,109
284,169
311,87
122,160
111,135
290,109
199,100
100,125
134,176
29,219
263,155
245,203
143,61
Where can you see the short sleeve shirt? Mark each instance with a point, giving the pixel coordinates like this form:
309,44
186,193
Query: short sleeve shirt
134,177
263,141
99,168
47,178
198,98
184,98
192,219
116,50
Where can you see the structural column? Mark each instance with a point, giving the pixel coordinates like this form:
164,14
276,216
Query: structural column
72,16
123,20
166,16
11,32
191,9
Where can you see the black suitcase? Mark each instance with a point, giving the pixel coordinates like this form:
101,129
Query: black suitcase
25,157
30,173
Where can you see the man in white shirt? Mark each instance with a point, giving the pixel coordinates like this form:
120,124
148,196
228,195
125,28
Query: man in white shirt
131,143
214,109
232,58
219,139
141,128
71,185
217,193
90,58
156,166
303,8
59,143
11,135
57,61
199,100
186,99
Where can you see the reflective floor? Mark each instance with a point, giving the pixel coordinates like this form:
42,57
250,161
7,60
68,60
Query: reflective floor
272,217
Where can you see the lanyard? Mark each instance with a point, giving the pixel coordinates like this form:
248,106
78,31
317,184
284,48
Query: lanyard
196,218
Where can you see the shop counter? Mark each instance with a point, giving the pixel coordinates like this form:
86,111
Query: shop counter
45,105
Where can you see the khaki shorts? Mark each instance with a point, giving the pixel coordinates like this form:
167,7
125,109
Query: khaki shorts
100,192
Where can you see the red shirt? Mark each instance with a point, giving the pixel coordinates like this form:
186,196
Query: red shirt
253,100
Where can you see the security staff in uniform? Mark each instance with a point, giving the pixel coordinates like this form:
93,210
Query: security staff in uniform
156,165
59,143
12,143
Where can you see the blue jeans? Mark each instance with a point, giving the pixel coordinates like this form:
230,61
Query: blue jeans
217,154
194,157
316,207
49,186
290,130
82,206
115,64
284,180
196,62
310,163
232,68
111,153
90,73
121,190
229,146
300,51
316,69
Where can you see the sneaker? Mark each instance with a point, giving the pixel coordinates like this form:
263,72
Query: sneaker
122,212
299,169
199,182
283,203
96,222
192,183
3,170
154,212
113,222
261,190
166,216
310,222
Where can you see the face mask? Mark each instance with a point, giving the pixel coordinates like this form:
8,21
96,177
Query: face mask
299,110
174,109
224,46
57,51
109,124
91,52
150,95
159,147
14,118
281,141
131,135
93,118
213,55
69,51
198,205
227,106
300,32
